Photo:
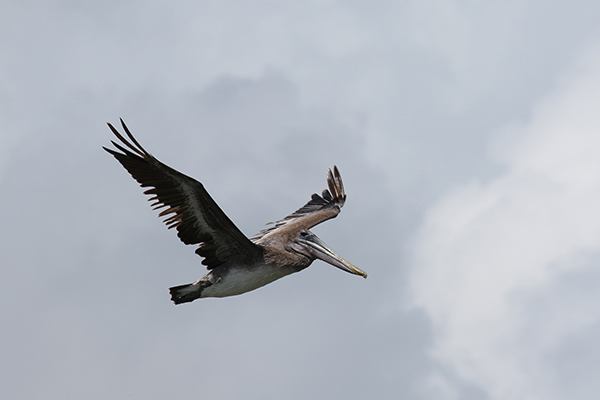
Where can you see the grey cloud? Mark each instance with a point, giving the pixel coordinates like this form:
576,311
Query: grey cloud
257,103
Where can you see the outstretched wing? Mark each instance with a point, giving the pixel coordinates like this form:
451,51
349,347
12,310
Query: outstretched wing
317,210
190,208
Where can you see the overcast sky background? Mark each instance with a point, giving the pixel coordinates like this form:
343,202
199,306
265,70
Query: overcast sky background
468,137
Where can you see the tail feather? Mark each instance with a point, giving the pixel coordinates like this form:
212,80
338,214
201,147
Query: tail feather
186,293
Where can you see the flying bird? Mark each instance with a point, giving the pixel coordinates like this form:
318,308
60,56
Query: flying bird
236,264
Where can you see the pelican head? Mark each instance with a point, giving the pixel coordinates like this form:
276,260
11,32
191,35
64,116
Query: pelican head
309,245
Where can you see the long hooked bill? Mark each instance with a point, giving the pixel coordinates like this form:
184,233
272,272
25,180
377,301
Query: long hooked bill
323,252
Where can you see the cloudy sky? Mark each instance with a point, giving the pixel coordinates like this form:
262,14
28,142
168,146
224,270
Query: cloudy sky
468,136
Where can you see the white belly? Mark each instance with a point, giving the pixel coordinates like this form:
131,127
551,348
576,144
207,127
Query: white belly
239,281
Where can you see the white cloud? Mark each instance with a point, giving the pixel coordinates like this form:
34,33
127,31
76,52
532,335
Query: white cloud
488,253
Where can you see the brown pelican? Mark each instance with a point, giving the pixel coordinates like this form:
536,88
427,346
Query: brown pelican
236,263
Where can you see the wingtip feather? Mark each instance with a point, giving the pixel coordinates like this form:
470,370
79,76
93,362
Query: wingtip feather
334,181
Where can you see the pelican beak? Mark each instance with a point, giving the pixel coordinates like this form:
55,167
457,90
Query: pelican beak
319,249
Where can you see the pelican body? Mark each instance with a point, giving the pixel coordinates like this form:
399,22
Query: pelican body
236,264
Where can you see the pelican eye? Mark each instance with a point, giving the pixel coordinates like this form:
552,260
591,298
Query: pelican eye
303,233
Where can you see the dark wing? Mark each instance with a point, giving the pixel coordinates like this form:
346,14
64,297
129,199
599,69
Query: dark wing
190,208
317,210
